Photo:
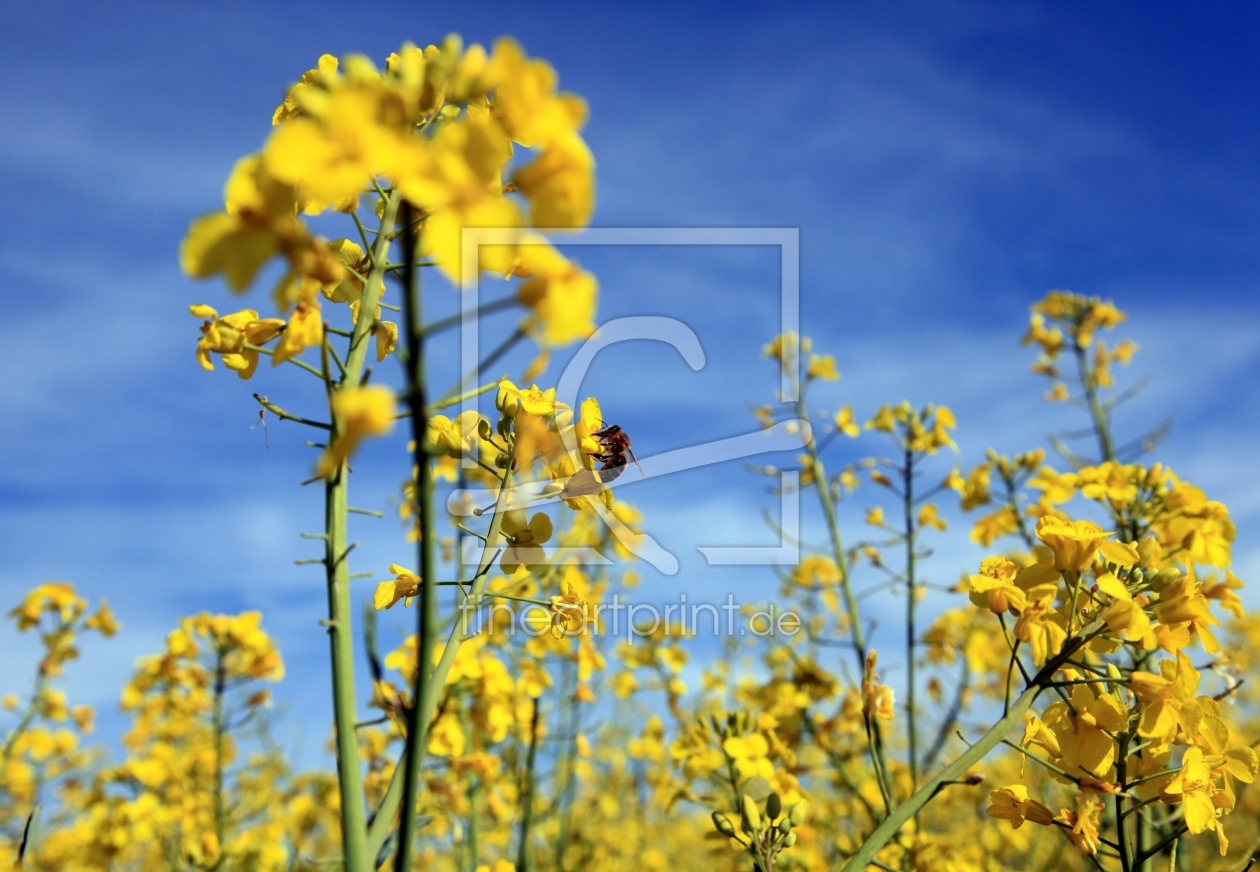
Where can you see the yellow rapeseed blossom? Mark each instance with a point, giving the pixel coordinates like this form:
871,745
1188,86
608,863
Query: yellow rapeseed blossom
360,412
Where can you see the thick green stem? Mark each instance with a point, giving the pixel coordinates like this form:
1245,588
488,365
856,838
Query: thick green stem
340,632
911,597
884,833
426,615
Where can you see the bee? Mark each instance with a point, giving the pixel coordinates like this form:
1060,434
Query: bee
616,445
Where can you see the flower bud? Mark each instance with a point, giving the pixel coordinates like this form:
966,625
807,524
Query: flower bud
790,840
749,818
507,399
774,806
1163,578
723,824
798,812
483,429
785,826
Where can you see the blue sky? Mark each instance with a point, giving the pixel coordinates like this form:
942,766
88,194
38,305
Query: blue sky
946,163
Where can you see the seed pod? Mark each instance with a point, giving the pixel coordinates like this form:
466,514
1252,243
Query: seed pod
774,806
724,825
750,818
1113,672
798,812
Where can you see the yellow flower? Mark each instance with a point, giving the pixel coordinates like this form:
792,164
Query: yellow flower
1083,734
846,424
568,612
560,295
993,526
386,334
748,753
822,366
1055,488
333,149
305,329
103,621
1082,825
1183,611
534,679
877,699
974,489
227,336
359,412
511,400
590,422
1194,786
884,420
560,184
1123,615
405,585
929,516
1074,543
446,736
994,587
1038,625
1163,696
454,438
525,100
260,219
1013,805
463,187
524,541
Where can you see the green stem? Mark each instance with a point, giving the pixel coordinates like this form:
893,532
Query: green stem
846,587
340,632
41,678
908,494
427,614
220,814
837,542
1101,426
381,823
1122,836
883,833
